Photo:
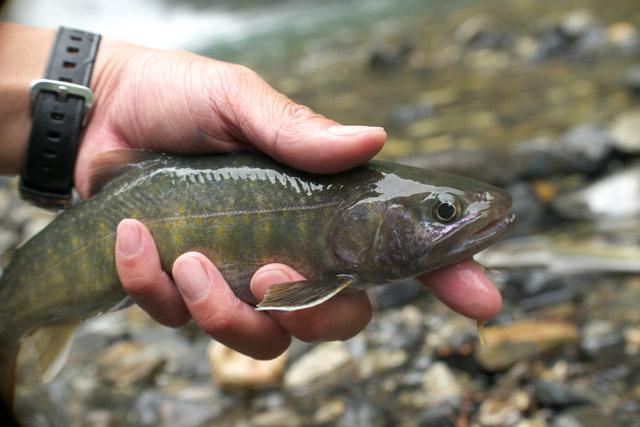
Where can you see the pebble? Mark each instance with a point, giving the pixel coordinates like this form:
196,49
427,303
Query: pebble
127,363
377,362
624,36
632,80
328,412
321,368
588,416
504,412
626,132
522,340
279,417
440,384
603,342
557,395
233,370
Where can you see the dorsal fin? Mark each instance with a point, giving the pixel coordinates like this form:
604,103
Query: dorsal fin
111,164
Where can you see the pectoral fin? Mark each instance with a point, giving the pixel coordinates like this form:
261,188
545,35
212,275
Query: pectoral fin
293,296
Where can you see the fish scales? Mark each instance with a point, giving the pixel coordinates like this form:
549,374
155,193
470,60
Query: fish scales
372,225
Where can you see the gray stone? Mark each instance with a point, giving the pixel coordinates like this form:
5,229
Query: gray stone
587,416
626,132
557,396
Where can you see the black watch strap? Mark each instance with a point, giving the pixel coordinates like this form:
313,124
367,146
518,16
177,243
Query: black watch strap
60,104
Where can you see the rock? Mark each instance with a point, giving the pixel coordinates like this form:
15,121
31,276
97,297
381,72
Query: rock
522,340
127,363
389,58
328,412
632,81
278,417
504,412
233,370
439,384
603,342
191,407
587,416
377,362
442,414
577,23
8,240
322,367
363,413
626,132
557,396
632,340
623,36
394,295
527,207
397,329
481,32
403,115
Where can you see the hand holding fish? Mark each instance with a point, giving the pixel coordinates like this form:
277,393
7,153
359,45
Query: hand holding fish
188,103
184,103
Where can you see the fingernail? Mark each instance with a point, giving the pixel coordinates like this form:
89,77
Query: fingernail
195,284
340,130
129,238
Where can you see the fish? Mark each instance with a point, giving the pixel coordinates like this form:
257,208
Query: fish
374,224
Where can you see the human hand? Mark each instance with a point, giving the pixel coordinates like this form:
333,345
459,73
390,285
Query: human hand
180,102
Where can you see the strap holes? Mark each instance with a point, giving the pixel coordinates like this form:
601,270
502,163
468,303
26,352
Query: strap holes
72,49
52,135
58,117
69,64
49,153
64,79
76,38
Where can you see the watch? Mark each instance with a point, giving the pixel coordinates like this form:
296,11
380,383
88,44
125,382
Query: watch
60,106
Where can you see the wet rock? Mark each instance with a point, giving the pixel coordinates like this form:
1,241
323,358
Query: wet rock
624,36
583,148
522,340
322,367
482,32
504,412
527,207
403,115
439,384
479,162
395,295
377,362
626,132
234,370
389,58
278,417
127,363
603,342
396,330
191,407
328,412
363,413
557,396
632,81
577,23
610,198
442,414
587,416
8,240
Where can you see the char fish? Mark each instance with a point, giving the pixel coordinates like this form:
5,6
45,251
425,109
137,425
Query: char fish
375,224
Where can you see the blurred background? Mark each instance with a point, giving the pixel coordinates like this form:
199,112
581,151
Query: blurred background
542,98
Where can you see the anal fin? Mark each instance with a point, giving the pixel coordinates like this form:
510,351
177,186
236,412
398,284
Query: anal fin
52,345
291,296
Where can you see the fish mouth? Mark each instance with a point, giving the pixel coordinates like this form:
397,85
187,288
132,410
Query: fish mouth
483,237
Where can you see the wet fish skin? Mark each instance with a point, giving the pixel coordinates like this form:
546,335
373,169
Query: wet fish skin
373,223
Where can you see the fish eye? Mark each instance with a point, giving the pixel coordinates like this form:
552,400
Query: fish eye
445,211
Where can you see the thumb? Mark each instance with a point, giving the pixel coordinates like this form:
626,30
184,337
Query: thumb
292,133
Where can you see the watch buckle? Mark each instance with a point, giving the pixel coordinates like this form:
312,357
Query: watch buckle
63,90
